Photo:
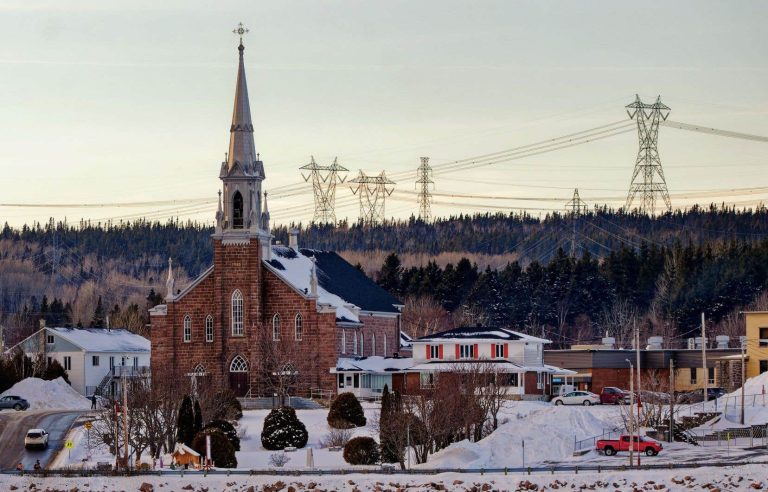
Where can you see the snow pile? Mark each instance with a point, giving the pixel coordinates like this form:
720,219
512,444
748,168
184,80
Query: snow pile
753,386
548,433
42,394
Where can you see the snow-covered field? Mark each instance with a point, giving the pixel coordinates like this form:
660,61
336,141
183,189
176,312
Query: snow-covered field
47,395
748,477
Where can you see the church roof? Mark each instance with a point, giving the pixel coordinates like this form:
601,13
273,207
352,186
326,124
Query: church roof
340,284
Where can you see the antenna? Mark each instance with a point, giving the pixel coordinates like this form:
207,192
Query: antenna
324,181
648,164
373,191
424,178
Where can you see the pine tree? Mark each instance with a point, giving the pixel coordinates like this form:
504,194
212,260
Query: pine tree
390,274
282,428
185,423
390,452
198,422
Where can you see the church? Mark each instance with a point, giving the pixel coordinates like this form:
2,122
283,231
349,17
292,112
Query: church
266,318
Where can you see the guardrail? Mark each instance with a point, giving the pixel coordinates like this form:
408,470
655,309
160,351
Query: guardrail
722,404
381,471
588,442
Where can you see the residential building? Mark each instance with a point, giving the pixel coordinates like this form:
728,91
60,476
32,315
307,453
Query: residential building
263,312
95,358
756,342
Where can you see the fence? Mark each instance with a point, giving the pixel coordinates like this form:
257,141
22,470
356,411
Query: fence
743,437
591,442
722,404
386,471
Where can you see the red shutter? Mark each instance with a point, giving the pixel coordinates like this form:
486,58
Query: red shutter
493,351
477,353
440,351
506,351
427,351
458,353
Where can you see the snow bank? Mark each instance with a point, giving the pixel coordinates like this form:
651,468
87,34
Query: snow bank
548,432
43,395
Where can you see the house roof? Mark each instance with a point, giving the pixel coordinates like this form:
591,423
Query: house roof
339,284
480,333
375,364
103,340
181,449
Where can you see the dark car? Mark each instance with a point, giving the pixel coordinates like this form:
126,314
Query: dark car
613,396
15,402
697,396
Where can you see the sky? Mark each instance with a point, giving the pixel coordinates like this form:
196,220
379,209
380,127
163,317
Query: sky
125,106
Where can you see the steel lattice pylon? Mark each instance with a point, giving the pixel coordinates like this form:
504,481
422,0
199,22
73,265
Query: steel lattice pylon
423,180
324,181
373,191
576,206
648,177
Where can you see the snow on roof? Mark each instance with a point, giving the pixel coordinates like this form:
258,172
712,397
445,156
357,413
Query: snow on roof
296,270
103,340
480,333
374,364
405,339
182,448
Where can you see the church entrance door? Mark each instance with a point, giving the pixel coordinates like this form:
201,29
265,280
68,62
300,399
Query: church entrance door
238,376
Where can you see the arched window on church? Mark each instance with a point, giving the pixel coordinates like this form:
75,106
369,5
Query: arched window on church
298,326
237,211
276,327
237,313
199,370
209,328
238,364
187,328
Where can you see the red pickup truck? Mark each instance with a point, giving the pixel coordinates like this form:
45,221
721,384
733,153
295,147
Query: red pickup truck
649,446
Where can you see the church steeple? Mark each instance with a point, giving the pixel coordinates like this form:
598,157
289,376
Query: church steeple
242,149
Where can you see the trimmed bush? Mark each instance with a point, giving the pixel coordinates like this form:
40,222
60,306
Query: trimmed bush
228,430
361,451
346,412
222,451
282,428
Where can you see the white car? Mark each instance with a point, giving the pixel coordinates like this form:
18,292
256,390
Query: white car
36,438
577,398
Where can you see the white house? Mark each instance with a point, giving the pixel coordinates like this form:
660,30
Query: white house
94,358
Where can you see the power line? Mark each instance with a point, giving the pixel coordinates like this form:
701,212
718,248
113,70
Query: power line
372,192
324,180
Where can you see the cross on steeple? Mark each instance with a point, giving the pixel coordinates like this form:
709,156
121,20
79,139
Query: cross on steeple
240,30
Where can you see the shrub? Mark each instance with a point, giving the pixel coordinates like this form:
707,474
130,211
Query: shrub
282,428
228,407
346,412
222,451
336,438
361,451
228,430
278,460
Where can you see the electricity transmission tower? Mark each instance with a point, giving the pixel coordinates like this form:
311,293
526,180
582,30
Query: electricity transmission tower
424,178
324,181
576,206
373,191
648,177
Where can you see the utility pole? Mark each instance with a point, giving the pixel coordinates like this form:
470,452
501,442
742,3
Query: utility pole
373,191
704,358
125,413
639,403
671,399
648,163
576,206
423,180
743,341
631,413
324,181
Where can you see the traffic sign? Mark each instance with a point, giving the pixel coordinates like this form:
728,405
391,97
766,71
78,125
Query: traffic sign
69,444
88,425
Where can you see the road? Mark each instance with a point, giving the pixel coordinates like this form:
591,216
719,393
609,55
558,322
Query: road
14,426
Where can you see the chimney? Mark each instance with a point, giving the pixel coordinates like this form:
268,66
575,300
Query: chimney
293,239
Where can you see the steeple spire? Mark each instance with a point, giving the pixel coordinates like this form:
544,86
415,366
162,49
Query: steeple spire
242,149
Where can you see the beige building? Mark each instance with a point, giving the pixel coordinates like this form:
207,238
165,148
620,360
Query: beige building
757,342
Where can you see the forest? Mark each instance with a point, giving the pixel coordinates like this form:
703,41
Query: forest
571,278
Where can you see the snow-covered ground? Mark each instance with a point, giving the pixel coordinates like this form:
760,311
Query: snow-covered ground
748,477
48,395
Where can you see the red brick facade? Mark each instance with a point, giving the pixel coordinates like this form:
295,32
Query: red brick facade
239,266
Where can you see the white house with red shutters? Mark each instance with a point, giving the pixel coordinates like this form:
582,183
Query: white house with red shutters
517,358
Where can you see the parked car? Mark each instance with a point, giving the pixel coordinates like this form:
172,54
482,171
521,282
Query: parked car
613,396
36,438
697,395
577,398
15,402
650,447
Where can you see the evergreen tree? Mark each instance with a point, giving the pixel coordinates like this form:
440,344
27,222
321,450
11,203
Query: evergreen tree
222,452
282,428
390,274
198,422
185,423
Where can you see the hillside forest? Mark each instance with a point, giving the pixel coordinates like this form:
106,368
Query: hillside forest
572,279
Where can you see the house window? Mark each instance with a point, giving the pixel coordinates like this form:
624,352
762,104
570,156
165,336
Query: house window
763,366
67,363
540,380
237,313
49,339
426,380
209,328
763,337
111,361
711,375
693,375
135,362
343,341
434,351
467,351
276,327
373,344
187,328
95,361
498,351
354,343
297,326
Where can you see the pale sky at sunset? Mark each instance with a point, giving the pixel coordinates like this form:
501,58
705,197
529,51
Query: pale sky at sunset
129,101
